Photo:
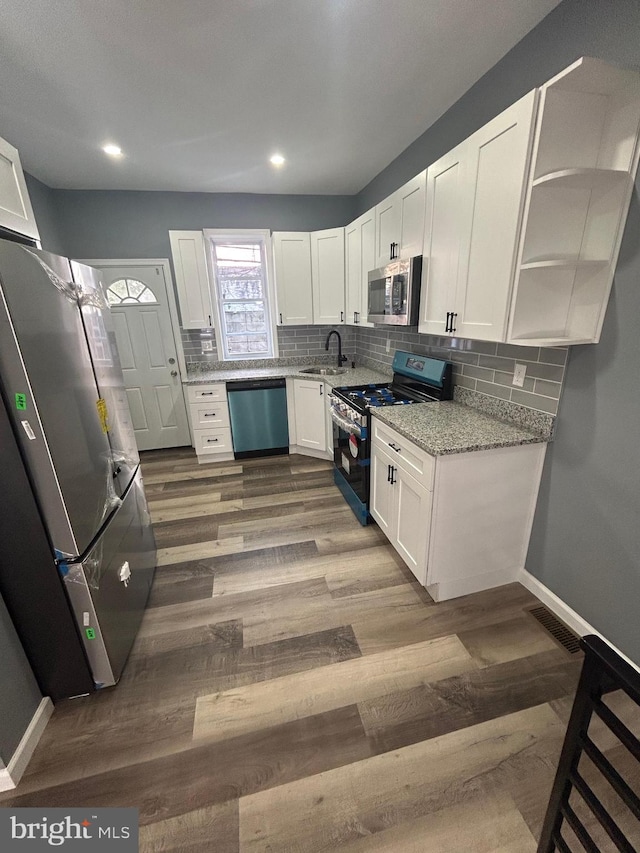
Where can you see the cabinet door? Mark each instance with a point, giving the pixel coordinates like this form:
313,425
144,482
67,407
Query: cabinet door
310,414
353,271
496,167
292,259
413,522
447,226
387,228
192,278
411,204
359,259
327,276
16,212
382,496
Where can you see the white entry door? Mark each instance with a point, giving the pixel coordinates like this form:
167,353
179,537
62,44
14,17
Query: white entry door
144,335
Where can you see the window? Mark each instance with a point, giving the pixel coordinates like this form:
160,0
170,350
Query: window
129,291
241,293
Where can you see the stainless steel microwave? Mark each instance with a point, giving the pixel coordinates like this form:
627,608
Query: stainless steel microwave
394,293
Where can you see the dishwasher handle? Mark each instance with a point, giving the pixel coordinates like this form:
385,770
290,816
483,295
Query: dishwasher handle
254,384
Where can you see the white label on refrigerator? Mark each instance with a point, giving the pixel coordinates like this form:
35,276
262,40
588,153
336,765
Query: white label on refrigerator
86,619
26,426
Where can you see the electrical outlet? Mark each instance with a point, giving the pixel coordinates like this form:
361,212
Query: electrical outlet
388,345
518,375
207,346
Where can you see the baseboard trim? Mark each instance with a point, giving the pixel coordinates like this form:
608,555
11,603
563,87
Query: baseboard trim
11,775
567,614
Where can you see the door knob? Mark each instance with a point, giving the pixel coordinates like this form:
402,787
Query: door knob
172,361
174,372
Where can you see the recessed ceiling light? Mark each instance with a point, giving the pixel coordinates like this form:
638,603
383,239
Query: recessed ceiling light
277,160
112,150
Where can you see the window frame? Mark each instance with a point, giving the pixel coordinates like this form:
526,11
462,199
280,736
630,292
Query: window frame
247,235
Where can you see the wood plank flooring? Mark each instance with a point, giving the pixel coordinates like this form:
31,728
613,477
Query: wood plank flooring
292,688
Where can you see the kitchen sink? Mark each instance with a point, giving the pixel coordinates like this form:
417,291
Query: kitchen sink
324,371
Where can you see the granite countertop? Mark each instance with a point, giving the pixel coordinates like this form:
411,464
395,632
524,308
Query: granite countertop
352,376
450,427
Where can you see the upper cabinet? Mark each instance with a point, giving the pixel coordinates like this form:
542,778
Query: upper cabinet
192,278
292,259
359,259
327,276
474,204
16,213
524,219
400,222
585,158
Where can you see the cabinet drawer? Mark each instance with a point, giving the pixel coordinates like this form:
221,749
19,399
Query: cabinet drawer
212,441
411,459
209,415
206,393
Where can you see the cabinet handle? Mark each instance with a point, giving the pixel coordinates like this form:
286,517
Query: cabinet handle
321,388
454,317
209,414
446,325
394,447
206,393
393,474
280,319
388,473
210,323
342,316
355,317
211,440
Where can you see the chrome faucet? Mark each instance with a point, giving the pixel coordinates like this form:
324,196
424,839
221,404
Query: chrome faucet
341,358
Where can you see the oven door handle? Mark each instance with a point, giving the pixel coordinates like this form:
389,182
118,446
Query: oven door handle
345,424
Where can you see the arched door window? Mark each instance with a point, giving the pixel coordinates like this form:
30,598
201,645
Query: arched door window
130,291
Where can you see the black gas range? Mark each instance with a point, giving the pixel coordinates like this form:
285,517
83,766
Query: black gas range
416,379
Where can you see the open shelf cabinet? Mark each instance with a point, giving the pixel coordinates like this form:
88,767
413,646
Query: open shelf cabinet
584,160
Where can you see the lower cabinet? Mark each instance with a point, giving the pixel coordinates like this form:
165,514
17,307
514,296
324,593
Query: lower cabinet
210,426
310,415
460,522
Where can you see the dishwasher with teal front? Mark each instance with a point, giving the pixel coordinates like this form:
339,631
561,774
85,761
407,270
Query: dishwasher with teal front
258,414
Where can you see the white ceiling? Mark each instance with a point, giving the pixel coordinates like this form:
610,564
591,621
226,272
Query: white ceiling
199,93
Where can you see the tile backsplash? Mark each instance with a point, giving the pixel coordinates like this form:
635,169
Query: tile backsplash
292,341
478,365
486,368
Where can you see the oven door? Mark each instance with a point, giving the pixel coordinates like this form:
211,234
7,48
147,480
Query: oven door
351,453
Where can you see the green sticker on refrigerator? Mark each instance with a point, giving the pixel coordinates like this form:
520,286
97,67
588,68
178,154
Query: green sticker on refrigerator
91,634
21,402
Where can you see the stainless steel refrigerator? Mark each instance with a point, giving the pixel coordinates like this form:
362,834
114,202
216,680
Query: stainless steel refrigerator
63,392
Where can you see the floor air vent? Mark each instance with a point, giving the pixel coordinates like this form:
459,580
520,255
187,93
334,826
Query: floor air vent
559,631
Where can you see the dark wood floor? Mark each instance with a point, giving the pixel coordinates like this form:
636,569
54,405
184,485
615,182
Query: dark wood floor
293,688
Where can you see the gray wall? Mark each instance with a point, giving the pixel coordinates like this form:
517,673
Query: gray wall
117,224
586,541
42,199
19,693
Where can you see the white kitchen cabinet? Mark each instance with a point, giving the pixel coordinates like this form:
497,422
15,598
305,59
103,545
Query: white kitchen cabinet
210,425
16,213
192,279
292,259
460,522
327,276
310,415
400,222
584,162
401,505
359,260
474,208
